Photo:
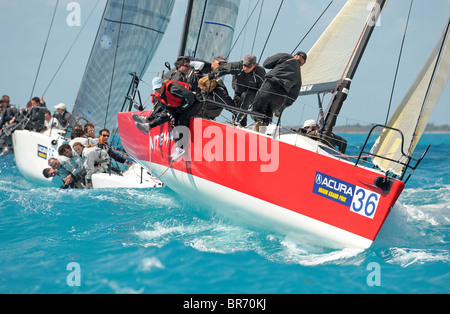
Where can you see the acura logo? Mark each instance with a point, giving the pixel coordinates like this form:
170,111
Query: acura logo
319,179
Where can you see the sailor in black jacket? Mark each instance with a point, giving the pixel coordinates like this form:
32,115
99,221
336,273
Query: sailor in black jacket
248,77
10,116
36,115
281,86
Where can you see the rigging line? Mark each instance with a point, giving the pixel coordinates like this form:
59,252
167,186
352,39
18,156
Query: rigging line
243,28
257,25
114,64
71,47
245,33
430,85
307,33
45,47
271,29
118,151
268,92
398,62
86,68
200,29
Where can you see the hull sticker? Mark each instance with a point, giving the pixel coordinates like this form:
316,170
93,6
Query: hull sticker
361,201
42,151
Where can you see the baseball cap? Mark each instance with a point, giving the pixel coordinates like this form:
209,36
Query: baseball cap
309,123
220,58
249,60
301,54
61,106
157,82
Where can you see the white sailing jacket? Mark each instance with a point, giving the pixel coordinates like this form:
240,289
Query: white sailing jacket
94,160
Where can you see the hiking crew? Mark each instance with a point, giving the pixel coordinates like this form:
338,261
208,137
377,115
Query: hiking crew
281,86
179,102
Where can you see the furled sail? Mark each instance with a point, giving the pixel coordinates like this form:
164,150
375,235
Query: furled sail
414,111
330,56
211,28
128,36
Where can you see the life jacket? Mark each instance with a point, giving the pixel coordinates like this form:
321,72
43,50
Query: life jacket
62,118
172,101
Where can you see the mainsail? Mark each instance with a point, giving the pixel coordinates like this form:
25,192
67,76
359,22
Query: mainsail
127,38
210,28
329,58
415,110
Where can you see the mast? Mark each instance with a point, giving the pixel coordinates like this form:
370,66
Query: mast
341,96
185,32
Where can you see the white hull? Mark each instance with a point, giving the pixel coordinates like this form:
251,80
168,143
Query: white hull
32,151
235,204
133,177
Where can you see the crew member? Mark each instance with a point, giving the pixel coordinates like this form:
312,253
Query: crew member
248,78
281,86
179,102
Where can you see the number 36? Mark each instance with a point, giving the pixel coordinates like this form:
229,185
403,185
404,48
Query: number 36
365,202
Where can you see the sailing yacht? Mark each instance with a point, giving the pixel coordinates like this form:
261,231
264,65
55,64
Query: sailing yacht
300,186
105,82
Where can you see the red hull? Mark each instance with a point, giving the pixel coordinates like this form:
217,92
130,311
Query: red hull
314,185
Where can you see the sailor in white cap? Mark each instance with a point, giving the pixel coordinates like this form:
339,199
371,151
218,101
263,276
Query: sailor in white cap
62,115
309,127
157,82
180,103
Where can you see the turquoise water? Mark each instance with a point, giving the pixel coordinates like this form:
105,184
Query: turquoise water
152,242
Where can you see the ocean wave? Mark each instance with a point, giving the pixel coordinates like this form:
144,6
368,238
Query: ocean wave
149,263
406,257
206,236
307,255
420,218
222,237
437,194
119,288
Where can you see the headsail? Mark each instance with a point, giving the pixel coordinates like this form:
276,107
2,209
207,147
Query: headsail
415,110
211,28
330,56
127,38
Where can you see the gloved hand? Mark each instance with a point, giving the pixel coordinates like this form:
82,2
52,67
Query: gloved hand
277,113
185,105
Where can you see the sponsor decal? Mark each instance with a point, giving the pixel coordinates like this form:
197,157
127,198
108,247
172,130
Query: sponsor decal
106,42
333,189
42,151
306,88
365,202
361,201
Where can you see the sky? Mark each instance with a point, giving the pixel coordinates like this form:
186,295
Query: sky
25,24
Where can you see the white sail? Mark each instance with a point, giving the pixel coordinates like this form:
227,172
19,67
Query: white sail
211,28
414,111
330,56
